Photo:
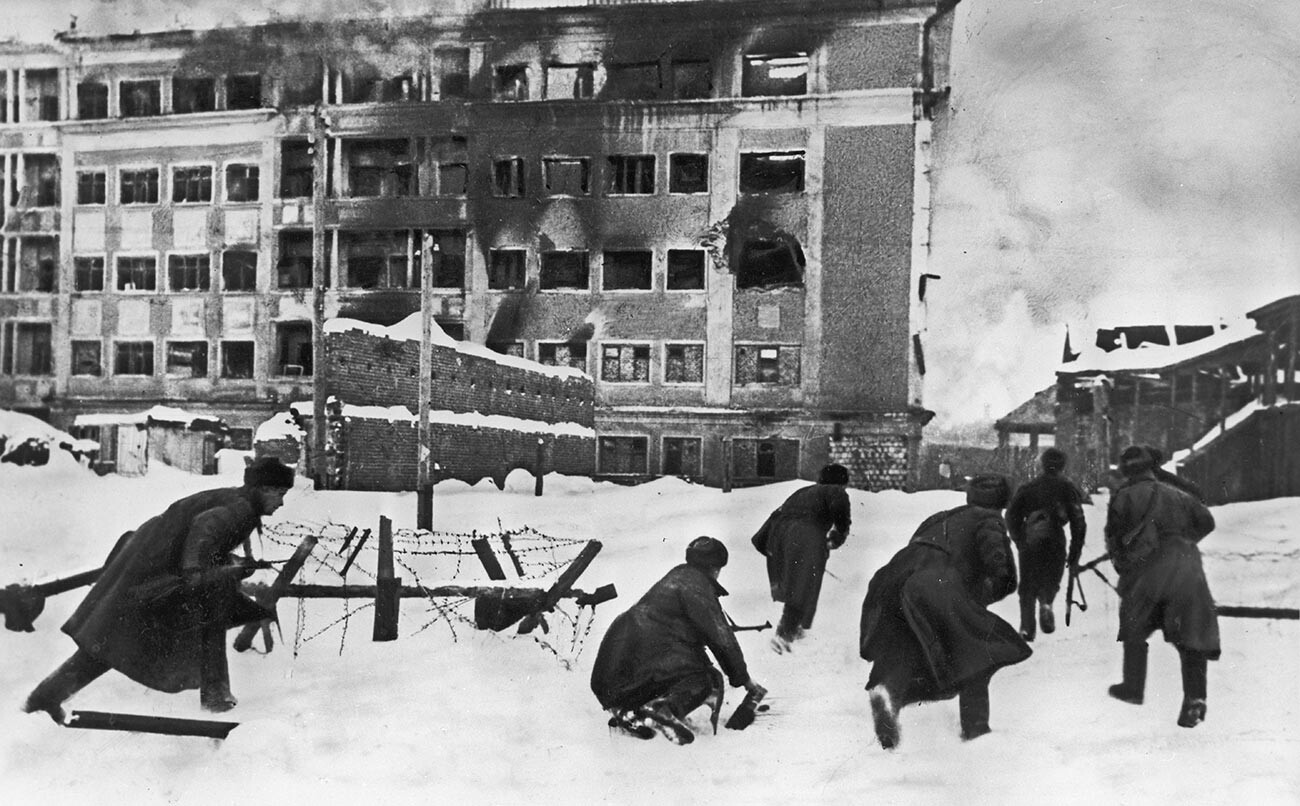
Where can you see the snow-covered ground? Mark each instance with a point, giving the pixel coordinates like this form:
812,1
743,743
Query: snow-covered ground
450,714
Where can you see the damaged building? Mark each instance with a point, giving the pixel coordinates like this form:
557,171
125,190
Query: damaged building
718,210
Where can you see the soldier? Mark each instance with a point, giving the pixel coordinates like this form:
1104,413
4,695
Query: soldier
926,628
1152,529
651,670
159,611
1036,519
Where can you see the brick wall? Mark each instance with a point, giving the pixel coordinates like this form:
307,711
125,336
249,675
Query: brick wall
875,462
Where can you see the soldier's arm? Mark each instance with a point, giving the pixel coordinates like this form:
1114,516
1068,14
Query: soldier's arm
1202,520
1016,515
1078,524
705,612
998,567
211,535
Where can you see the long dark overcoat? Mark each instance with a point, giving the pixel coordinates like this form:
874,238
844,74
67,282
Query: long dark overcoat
1167,591
796,545
662,638
925,616
140,617
1042,566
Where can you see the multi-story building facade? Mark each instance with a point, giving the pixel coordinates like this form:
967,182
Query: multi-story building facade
719,210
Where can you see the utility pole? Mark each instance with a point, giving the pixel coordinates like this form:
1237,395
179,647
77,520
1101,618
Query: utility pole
424,459
319,280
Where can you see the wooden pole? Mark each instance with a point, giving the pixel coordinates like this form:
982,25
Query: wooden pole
276,589
387,586
170,726
540,467
319,280
1293,347
489,559
726,463
424,459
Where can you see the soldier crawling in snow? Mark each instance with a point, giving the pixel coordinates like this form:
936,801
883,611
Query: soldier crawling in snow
168,592
651,670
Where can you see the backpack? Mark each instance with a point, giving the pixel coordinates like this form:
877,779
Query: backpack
1039,527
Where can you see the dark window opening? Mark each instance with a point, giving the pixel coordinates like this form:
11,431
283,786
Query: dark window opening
692,79
627,270
27,349
623,455
684,363
39,265
239,270
137,274
42,178
769,262
92,187
293,342
448,255
688,173
681,456
631,174
137,99
631,82
512,348
570,80
774,172
236,359
775,74
370,87
566,176
293,266
191,95
570,354
453,178
242,183
296,169
685,270
510,82
87,358
187,359
379,168
92,100
244,91
506,268
192,184
138,186
189,272
564,270
88,274
453,73
508,177
377,259
765,461
773,365
625,363
451,156
133,358
42,102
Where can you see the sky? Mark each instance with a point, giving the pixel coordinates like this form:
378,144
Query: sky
450,714
1105,163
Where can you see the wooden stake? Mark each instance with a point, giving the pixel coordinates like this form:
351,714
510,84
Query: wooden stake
561,586
490,563
387,586
268,598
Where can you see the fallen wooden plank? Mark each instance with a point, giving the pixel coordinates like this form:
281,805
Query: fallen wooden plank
141,723
314,591
1249,611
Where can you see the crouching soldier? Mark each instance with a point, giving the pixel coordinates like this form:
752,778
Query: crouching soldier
159,611
926,628
651,670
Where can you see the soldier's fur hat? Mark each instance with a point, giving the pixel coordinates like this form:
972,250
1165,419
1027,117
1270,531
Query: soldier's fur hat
1053,460
833,474
1136,459
988,490
706,552
268,471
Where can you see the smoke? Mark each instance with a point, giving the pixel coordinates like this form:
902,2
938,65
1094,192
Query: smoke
1105,164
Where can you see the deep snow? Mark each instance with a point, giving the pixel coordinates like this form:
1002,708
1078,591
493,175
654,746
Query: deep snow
499,718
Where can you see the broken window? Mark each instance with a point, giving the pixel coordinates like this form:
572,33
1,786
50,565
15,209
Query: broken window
772,172
375,259
187,359
449,158
508,177
688,173
87,358
506,268
631,82
685,270
625,363
692,79
566,176
367,85
776,365
189,272
244,91
38,263
765,458
296,169
137,99
775,74
92,100
511,348
242,183
765,262
92,187
449,259
379,168
236,359
623,455
138,186
192,184
88,273
570,80
563,270
239,270
137,273
510,82
684,363
626,270
681,456
293,268
193,95
27,348
42,101
563,354
631,174
453,73
133,358
293,343
42,180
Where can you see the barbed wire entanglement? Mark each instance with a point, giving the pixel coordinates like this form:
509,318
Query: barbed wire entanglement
347,555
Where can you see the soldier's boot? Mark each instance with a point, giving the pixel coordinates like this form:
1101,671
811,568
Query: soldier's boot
973,708
214,672
1027,629
72,676
658,714
1046,618
1133,687
1193,664
884,717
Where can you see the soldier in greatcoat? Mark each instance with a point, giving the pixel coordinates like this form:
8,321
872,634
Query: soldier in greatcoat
1152,531
169,591
926,628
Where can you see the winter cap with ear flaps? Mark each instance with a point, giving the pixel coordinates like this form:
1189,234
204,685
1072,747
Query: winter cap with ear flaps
706,552
1136,459
1053,459
834,474
988,491
268,471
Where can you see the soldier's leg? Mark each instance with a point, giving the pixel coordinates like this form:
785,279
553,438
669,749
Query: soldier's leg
214,671
1027,602
973,708
788,629
667,712
1133,687
1049,585
1194,687
73,675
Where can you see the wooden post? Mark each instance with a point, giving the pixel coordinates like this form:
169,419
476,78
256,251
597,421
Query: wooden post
540,468
319,281
561,587
387,586
268,599
726,463
424,483
488,558
1293,347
